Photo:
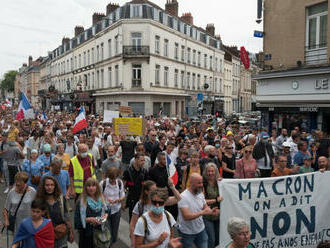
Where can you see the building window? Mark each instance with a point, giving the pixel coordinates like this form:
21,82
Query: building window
93,55
176,51
194,57
176,72
317,20
88,58
136,41
205,81
116,45
182,79
157,45
110,76
136,76
102,52
136,11
211,62
182,53
198,81
157,74
79,61
93,80
193,81
189,56
84,59
109,48
165,48
205,60
216,85
117,75
97,53
102,79
98,79
199,58
166,76
188,80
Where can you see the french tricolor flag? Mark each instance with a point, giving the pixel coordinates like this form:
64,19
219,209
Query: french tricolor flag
25,110
171,170
80,122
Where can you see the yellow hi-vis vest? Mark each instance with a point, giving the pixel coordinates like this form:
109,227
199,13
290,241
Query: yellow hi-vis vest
78,173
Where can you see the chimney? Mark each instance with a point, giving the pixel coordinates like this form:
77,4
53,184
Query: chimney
111,7
65,40
187,17
24,65
210,29
218,37
30,60
172,7
78,30
97,17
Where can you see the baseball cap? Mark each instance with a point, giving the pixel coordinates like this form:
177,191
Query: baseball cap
47,148
286,144
264,135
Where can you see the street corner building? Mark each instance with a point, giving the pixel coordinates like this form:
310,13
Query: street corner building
145,57
294,87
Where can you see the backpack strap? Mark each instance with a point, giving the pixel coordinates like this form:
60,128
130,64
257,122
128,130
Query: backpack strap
146,230
140,208
62,206
104,184
167,214
119,186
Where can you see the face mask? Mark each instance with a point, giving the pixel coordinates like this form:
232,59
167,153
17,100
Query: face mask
84,154
157,210
265,141
112,157
217,145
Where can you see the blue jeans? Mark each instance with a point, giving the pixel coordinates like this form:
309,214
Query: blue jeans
199,239
212,229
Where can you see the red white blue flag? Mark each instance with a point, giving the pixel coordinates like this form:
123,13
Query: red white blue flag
81,122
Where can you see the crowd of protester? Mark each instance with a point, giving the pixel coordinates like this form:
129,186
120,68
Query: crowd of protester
48,172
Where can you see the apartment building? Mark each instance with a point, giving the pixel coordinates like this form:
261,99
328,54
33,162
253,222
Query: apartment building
293,89
142,56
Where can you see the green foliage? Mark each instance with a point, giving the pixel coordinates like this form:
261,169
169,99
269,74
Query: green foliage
8,83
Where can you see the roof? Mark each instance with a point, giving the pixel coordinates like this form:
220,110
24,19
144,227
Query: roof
147,2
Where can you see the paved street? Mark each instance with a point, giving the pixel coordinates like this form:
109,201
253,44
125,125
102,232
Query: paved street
123,234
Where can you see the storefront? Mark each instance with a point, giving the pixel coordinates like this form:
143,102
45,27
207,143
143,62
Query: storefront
85,99
295,98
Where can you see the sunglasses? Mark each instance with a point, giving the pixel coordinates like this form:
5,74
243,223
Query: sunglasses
248,151
160,203
229,148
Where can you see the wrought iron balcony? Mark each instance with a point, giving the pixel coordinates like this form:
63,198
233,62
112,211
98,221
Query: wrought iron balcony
136,52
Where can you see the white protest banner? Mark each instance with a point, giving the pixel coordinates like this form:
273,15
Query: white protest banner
290,211
109,115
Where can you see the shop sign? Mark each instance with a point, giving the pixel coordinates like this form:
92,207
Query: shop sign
322,84
308,109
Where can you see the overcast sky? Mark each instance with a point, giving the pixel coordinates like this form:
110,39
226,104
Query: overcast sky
35,27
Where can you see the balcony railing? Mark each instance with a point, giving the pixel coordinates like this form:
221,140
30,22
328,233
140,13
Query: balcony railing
136,52
136,83
316,54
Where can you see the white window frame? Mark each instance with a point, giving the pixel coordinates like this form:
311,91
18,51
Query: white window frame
318,17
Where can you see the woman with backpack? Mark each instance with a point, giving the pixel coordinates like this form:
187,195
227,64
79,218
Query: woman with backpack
144,204
49,191
90,217
114,195
155,228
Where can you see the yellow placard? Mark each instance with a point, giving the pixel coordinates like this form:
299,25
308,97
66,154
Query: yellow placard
128,126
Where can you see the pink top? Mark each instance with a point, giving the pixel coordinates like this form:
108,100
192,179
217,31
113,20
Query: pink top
245,169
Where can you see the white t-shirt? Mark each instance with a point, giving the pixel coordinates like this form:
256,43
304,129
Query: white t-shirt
145,209
194,203
155,230
111,192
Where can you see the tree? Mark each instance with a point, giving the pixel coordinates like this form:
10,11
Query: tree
8,83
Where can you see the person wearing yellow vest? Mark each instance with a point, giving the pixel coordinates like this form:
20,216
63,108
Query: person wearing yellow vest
81,168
